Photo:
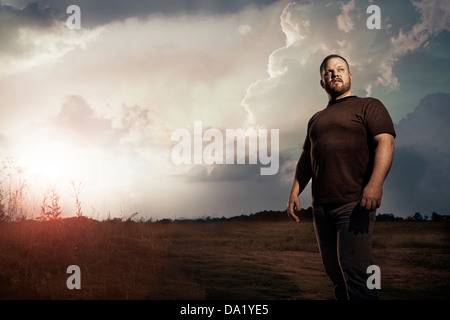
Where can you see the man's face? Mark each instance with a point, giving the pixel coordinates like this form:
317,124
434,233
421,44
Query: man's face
336,78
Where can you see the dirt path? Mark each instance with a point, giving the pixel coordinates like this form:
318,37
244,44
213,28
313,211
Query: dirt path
400,280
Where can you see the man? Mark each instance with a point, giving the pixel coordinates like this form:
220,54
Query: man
347,153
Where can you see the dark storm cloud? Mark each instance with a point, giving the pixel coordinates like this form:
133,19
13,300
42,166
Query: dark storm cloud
33,12
420,176
427,126
222,173
12,19
239,189
103,11
238,172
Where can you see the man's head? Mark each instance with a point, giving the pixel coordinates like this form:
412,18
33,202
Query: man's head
335,77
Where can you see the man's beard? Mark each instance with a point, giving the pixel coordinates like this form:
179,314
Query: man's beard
338,88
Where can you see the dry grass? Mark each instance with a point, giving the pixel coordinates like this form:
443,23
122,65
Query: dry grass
117,260
226,260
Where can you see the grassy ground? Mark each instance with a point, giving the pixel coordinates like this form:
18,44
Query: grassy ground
226,260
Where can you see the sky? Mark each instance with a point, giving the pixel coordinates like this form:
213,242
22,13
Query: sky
99,105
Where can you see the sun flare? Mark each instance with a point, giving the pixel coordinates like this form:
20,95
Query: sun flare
49,162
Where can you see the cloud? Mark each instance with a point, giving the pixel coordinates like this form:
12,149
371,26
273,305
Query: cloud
222,173
35,35
12,20
174,65
284,67
78,120
238,189
434,18
427,125
101,12
244,29
239,172
142,133
134,130
344,20
420,176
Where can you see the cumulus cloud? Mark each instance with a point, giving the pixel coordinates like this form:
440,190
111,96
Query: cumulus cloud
344,20
434,18
284,85
78,118
134,130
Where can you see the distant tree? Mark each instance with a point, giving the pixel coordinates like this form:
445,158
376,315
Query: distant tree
418,217
385,217
388,217
435,216
166,220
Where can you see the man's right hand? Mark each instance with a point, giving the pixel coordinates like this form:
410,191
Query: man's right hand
293,205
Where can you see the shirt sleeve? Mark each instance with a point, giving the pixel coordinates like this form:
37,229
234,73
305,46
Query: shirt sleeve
377,119
307,143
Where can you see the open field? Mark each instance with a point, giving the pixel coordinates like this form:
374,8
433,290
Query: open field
221,260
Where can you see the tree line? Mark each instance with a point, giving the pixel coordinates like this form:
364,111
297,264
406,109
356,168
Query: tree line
415,217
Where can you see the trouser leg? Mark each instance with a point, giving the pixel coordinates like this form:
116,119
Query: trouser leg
354,236
326,235
344,236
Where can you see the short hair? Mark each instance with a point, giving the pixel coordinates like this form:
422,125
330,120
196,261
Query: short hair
331,56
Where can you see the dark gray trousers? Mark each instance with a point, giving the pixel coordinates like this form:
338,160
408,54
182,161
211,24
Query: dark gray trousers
344,234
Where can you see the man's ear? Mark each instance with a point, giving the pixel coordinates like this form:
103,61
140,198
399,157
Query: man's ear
322,84
351,78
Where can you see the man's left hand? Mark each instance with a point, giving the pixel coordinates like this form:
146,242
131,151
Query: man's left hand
371,198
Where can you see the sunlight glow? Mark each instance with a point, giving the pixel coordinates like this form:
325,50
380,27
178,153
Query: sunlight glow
49,161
